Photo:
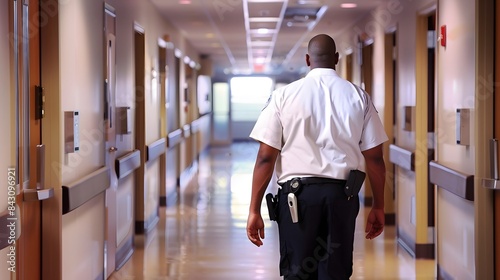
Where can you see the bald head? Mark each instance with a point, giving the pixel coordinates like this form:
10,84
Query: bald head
322,52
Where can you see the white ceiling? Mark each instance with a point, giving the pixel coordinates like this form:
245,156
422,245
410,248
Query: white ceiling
227,30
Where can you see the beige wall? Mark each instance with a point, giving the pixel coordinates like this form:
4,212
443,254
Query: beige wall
81,47
412,206
456,89
81,65
151,188
125,223
83,241
81,44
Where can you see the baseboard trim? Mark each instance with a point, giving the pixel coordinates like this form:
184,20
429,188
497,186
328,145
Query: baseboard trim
417,251
442,274
124,253
390,219
143,227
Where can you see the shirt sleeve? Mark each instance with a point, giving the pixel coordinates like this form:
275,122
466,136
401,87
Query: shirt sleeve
373,129
268,129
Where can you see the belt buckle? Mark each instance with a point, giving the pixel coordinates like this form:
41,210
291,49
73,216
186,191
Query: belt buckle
295,185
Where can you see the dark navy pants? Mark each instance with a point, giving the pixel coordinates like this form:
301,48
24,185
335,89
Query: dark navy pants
320,245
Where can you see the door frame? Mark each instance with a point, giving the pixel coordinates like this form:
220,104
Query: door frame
486,118
424,194
496,238
140,126
390,81
26,69
109,77
51,132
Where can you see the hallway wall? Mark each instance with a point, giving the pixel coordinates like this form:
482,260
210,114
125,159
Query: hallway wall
82,90
456,89
401,17
453,233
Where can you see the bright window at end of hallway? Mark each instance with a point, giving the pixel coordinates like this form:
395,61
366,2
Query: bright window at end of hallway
248,96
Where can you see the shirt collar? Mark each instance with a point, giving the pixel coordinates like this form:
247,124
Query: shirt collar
322,72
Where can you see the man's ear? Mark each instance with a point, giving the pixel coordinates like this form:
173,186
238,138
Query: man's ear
336,58
308,63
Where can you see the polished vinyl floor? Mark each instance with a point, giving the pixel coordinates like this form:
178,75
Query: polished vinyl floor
201,234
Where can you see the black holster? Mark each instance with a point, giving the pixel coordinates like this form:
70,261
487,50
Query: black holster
272,206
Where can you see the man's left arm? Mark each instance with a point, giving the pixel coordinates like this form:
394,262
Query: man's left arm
375,167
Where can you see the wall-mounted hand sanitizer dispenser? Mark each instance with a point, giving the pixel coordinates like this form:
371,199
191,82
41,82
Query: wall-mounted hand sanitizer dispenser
71,132
463,126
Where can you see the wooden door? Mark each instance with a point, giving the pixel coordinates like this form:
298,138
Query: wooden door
29,168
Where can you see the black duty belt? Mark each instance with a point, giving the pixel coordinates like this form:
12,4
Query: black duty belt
294,184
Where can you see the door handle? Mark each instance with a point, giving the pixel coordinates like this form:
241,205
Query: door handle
40,193
113,149
40,167
494,181
37,195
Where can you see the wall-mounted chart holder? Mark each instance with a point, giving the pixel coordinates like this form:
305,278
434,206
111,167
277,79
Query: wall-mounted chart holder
123,120
71,132
463,127
408,117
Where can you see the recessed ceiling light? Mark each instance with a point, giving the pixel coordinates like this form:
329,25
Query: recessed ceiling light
184,2
260,60
348,5
262,30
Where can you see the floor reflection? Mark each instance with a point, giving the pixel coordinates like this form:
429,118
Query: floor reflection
202,234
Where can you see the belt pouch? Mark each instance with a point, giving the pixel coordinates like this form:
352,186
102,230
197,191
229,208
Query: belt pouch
354,183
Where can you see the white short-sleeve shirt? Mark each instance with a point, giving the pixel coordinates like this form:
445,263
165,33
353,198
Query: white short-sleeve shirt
320,123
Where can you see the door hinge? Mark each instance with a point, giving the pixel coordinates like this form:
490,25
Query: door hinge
39,102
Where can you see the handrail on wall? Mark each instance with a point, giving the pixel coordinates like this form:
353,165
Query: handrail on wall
155,149
83,190
126,164
174,138
402,157
195,125
186,130
452,180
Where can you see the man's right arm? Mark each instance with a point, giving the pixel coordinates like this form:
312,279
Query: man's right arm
262,173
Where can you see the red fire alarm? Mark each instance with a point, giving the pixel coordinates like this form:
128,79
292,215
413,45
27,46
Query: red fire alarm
442,35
